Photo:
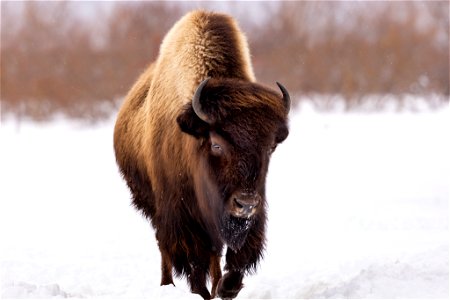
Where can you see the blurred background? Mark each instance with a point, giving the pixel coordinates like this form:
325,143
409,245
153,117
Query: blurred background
78,59
361,185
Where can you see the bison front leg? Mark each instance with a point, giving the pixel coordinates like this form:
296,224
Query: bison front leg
197,279
166,269
230,285
215,272
239,262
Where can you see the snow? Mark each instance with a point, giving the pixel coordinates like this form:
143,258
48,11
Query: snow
358,208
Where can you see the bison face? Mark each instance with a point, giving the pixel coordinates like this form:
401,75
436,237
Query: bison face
238,125
238,172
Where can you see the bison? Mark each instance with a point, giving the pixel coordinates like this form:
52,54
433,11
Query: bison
193,140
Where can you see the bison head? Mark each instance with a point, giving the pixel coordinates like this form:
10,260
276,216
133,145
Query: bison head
238,125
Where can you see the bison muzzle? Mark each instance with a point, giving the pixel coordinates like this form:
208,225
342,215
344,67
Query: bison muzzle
193,141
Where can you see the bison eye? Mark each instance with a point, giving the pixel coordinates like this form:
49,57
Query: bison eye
216,149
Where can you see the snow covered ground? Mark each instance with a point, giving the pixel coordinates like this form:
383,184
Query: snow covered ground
358,208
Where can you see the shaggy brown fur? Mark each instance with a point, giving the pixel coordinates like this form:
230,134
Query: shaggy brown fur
186,175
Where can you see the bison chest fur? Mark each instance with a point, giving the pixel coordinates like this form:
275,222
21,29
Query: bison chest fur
193,141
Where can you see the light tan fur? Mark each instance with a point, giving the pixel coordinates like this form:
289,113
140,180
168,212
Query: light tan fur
187,54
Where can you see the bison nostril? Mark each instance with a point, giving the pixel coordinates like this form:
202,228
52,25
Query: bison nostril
245,207
238,203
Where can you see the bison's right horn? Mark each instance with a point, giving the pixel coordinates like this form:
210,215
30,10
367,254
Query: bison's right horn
196,102
286,97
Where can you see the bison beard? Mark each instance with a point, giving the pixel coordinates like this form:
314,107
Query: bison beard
235,230
193,141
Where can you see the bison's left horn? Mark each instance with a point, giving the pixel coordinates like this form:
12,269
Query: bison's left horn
196,105
286,97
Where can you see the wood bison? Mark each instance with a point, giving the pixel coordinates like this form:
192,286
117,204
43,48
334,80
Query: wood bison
193,141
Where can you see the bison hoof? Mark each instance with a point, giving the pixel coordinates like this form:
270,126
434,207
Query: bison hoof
229,286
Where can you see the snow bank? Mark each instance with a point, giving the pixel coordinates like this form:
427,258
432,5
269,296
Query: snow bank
358,208
25,290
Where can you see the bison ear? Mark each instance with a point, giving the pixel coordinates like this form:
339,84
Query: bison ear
191,124
281,134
